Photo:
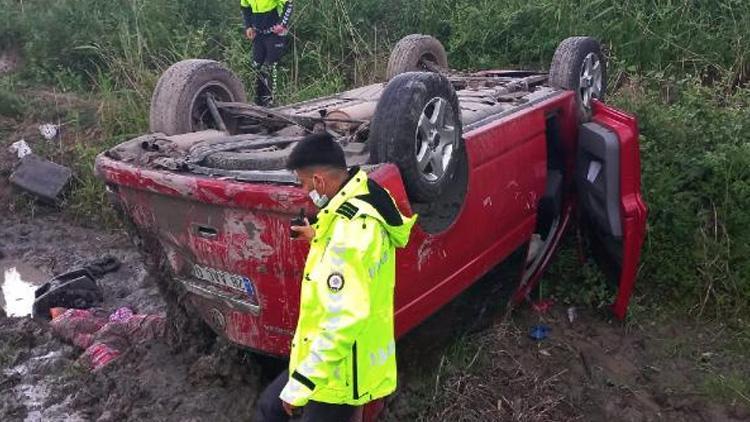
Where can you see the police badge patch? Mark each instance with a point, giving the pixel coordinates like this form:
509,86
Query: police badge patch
335,282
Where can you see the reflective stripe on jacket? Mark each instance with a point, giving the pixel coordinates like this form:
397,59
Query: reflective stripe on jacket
344,350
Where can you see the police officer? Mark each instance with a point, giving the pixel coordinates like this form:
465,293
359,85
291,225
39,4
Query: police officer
266,24
343,352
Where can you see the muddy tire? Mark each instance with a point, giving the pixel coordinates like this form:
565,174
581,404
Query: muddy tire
579,65
178,104
417,126
414,53
267,159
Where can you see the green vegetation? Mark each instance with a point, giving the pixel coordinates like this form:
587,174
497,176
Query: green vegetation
680,66
727,388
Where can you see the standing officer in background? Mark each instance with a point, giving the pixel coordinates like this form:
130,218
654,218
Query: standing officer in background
344,351
266,24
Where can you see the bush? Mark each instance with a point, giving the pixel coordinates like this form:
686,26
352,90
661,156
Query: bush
695,160
696,178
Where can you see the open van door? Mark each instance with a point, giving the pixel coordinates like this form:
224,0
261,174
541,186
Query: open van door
611,208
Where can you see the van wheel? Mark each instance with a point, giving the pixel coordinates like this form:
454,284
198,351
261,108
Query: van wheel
417,126
416,52
178,104
579,65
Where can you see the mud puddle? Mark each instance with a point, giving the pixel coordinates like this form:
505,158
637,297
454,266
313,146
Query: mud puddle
17,285
40,378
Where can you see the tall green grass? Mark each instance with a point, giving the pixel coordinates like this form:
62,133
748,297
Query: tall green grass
695,160
79,38
680,65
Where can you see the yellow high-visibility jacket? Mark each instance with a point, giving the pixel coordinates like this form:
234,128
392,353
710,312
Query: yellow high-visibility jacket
344,351
263,6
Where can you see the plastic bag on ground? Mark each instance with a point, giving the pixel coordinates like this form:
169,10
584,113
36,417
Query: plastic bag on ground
20,148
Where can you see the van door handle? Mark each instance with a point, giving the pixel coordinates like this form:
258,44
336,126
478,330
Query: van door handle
206,232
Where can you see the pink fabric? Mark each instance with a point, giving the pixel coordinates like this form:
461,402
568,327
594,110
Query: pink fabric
104,337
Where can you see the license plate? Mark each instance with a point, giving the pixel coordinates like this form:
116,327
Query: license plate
220,277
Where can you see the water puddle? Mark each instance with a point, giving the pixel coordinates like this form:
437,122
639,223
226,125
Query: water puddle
17,286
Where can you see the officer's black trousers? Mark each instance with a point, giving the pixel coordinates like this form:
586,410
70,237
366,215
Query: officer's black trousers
269,408
267,51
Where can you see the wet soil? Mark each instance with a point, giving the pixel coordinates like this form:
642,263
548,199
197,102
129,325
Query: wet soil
40,379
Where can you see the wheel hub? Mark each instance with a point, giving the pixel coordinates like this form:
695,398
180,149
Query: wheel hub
435,139
590,81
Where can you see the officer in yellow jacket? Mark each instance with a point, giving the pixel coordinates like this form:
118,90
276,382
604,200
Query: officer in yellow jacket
266,25
343,352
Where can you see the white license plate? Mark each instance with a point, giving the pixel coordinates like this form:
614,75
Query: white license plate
219,277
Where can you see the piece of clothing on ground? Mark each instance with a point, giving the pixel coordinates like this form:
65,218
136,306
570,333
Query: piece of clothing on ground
105,337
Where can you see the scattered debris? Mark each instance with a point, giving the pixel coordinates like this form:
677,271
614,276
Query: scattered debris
49,130
42,178
103,265
706,356
20,148
572,314
539,332
542,306
74,289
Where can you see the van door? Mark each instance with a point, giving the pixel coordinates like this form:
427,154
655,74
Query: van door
612,213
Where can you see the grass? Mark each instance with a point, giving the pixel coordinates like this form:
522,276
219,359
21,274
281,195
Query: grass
690,96
11,105
682,67
727,389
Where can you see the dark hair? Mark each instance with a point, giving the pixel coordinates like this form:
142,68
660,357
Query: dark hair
317,149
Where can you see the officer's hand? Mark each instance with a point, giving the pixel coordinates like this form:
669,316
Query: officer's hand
306,232
250,33
288,408
279,29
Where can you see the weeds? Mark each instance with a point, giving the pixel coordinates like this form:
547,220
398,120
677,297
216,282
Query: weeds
727,388
478,380
679,66
11,105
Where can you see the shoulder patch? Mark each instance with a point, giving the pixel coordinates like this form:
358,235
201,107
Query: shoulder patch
335,282
382,201
347,210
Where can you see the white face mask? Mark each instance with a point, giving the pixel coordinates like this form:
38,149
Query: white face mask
319,200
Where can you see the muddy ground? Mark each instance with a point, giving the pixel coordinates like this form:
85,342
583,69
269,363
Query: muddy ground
451,368
40,380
